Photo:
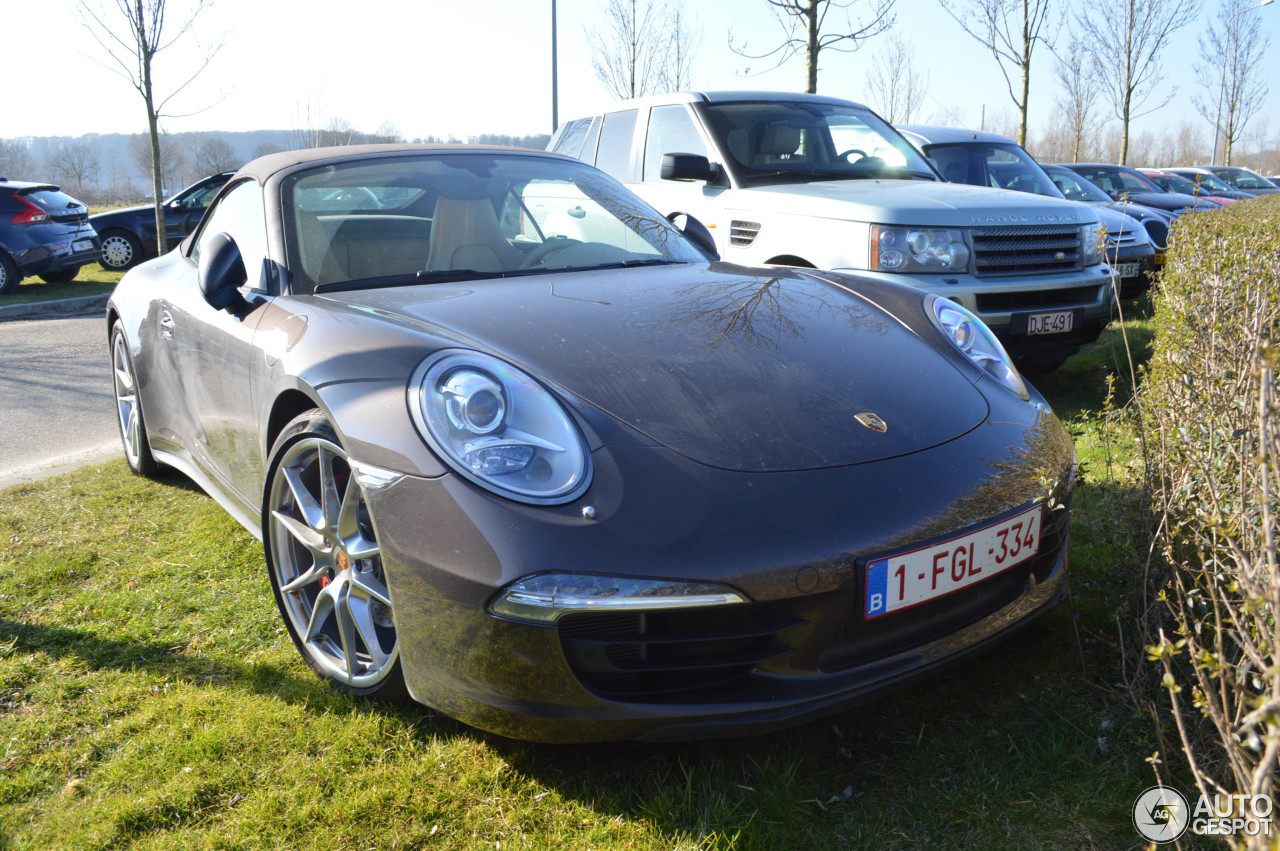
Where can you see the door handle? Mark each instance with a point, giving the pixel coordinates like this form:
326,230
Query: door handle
166,325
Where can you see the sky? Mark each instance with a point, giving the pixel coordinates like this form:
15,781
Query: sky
463,68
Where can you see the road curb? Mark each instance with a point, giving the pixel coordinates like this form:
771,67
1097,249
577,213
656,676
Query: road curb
38,309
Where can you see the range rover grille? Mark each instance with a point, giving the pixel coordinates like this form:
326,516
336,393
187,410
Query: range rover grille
1023,249
743,233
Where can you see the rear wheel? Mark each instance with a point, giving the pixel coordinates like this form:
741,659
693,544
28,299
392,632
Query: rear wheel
133,431
325,565
62,276
9,277
120,250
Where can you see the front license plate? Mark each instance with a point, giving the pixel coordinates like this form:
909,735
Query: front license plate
82,245
1127,270
908,579
1058,322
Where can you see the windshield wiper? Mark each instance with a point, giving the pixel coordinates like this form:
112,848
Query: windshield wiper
621,264
425,276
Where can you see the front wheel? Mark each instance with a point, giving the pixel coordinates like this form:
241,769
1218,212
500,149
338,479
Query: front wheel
325,565
120,251
133,431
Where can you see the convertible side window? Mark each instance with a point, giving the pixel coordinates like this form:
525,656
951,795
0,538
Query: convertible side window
239,214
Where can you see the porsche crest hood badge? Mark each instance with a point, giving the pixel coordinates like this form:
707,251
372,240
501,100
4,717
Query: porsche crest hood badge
872,421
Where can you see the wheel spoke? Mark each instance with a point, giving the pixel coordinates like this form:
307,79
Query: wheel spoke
330,503
368,585
346,629
308,537
310,510
362,619
325,604
348,525
131,432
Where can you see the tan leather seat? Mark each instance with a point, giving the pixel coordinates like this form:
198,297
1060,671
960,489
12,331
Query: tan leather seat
465,235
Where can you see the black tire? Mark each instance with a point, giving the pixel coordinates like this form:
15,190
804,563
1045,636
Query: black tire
62,276
9,277
354,648
121,250
129,421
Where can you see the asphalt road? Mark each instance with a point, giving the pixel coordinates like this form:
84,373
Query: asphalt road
56,403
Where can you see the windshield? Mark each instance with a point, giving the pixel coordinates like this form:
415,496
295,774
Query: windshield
771,140
1004,166
1074,187
465,216
1242,178
1207,181
1117,180
1170,183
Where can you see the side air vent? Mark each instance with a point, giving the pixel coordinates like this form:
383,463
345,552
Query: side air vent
743,233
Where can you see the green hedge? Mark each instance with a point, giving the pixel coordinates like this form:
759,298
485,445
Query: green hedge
1211,408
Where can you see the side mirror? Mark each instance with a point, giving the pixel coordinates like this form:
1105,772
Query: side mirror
697,232
222,273
688,167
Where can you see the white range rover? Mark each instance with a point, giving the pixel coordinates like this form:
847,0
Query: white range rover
807,180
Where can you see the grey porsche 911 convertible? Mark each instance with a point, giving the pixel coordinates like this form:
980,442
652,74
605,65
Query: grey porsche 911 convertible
523,449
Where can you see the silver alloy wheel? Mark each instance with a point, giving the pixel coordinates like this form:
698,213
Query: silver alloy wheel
117,251
126,400
327,565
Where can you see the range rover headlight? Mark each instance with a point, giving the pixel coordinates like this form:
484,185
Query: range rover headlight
905,249
1095,245
543,598
975,341
499,428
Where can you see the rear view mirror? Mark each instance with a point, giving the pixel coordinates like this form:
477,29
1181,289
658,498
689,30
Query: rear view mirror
697,233
688,167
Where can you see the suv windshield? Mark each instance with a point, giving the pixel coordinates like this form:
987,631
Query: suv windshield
1004,166
778,139
453,217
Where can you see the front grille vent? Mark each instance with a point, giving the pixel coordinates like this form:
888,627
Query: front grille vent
650,654
1039,299
743,233
1023,249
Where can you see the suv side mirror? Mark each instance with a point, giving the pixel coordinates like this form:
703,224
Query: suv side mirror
688,167
222,274
697,232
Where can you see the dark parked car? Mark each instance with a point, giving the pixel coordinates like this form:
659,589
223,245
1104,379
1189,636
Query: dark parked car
980,158
1122,182
1244,179
1209,183
1076,188
43,231
129,235
517,444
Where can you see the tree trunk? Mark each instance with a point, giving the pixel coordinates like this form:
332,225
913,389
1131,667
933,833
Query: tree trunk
812,15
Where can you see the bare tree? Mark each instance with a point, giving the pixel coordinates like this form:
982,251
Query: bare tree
149,155
1080,90
627,52
213,154
264,149
387,132
1124,39
683,40
895,88
16,161
132,33
1011,30
74,163
1232,73
805,28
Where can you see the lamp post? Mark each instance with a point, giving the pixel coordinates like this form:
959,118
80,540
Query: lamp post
554,81
1222,85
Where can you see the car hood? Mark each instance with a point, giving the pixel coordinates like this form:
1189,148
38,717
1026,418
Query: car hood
123,212
757,372
1172,201
910,202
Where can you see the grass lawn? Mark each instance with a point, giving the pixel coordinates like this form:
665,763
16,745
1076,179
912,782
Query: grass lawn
150,698
92,280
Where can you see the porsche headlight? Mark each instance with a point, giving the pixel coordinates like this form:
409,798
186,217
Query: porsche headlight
499,428
899,249
975,341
